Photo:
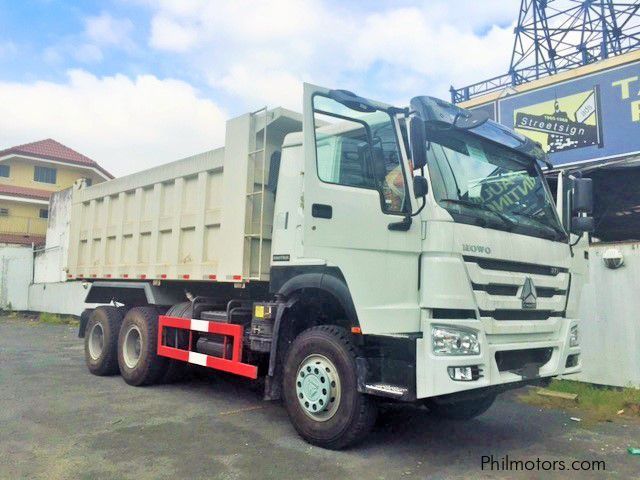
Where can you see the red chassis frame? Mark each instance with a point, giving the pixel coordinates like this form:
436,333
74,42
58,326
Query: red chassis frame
229,331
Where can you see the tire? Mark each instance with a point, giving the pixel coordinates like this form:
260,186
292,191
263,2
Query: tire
177,370
463,409
337,423
137,347
101,340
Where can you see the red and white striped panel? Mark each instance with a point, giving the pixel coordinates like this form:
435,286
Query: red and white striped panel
233,332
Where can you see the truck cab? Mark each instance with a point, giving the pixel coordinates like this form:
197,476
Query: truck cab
448,243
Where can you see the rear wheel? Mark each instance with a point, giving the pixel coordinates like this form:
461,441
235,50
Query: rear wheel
137,347
177,370
320,389
462,409
101,340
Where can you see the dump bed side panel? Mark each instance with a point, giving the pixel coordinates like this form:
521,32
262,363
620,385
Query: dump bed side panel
162,223
207,217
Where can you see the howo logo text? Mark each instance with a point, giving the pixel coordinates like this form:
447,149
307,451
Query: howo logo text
476,249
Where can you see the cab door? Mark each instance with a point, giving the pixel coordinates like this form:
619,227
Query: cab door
355,185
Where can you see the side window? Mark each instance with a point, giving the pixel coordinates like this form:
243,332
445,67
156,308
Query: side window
357,149
5,171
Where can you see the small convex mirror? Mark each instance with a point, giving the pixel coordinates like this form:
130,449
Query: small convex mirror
580,225
420,186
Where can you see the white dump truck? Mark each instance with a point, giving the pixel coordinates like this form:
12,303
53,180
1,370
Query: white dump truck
354,254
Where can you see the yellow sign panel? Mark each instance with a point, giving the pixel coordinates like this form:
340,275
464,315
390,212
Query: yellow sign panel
563,123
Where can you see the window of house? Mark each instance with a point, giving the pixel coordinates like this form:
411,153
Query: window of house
5,171
88,182
4,212
44,175
44,213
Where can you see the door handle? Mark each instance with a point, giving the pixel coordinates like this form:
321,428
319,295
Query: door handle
319,210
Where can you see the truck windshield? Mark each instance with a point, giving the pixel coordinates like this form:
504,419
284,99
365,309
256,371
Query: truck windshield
481,183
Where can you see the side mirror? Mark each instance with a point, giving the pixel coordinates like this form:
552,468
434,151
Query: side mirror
420,186
580,225
418,134
582,196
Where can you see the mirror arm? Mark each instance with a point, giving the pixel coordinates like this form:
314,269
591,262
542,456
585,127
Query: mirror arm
424,203
397,110
571,245
404,224
401,226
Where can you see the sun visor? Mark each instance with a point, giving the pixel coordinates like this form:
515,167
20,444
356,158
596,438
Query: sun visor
441,115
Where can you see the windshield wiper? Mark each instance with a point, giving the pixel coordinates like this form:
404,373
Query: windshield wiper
558,234
510,223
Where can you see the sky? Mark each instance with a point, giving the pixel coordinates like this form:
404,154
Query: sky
137,83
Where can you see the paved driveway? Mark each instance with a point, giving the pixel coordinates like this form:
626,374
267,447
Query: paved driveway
58,421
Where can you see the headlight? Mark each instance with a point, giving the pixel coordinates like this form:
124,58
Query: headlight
573,336
452,341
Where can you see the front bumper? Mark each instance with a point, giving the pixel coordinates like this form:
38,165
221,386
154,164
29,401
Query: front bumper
432,376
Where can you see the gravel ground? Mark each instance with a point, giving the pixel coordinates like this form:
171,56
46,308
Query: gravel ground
58,421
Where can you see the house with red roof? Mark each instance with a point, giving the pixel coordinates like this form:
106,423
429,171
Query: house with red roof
29,174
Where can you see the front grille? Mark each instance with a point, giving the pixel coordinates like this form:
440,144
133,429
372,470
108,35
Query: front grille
520,314
547,292
515,360
454,313
512,290
500,295
496,289
520,267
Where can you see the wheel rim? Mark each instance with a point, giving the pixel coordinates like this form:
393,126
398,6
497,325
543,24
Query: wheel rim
96,341
132,346
318,387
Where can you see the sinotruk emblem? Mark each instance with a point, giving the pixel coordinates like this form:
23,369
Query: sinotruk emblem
529,295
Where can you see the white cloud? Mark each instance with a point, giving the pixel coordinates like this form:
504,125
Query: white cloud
168,34
104,29
251,53
88,53
440,53
255,86
101,32
124,124
258,52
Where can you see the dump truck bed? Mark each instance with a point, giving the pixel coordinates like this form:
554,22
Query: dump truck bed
208,217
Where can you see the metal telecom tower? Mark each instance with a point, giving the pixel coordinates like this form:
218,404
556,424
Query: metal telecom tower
557,35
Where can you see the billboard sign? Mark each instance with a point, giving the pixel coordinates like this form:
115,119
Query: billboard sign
584,118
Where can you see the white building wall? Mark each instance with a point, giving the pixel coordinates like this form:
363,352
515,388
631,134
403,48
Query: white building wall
51,261
610,319
16,270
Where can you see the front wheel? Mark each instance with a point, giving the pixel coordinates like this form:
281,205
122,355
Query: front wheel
462,409
320,389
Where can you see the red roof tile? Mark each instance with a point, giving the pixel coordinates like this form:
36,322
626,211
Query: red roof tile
16,191
52,150
21,239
